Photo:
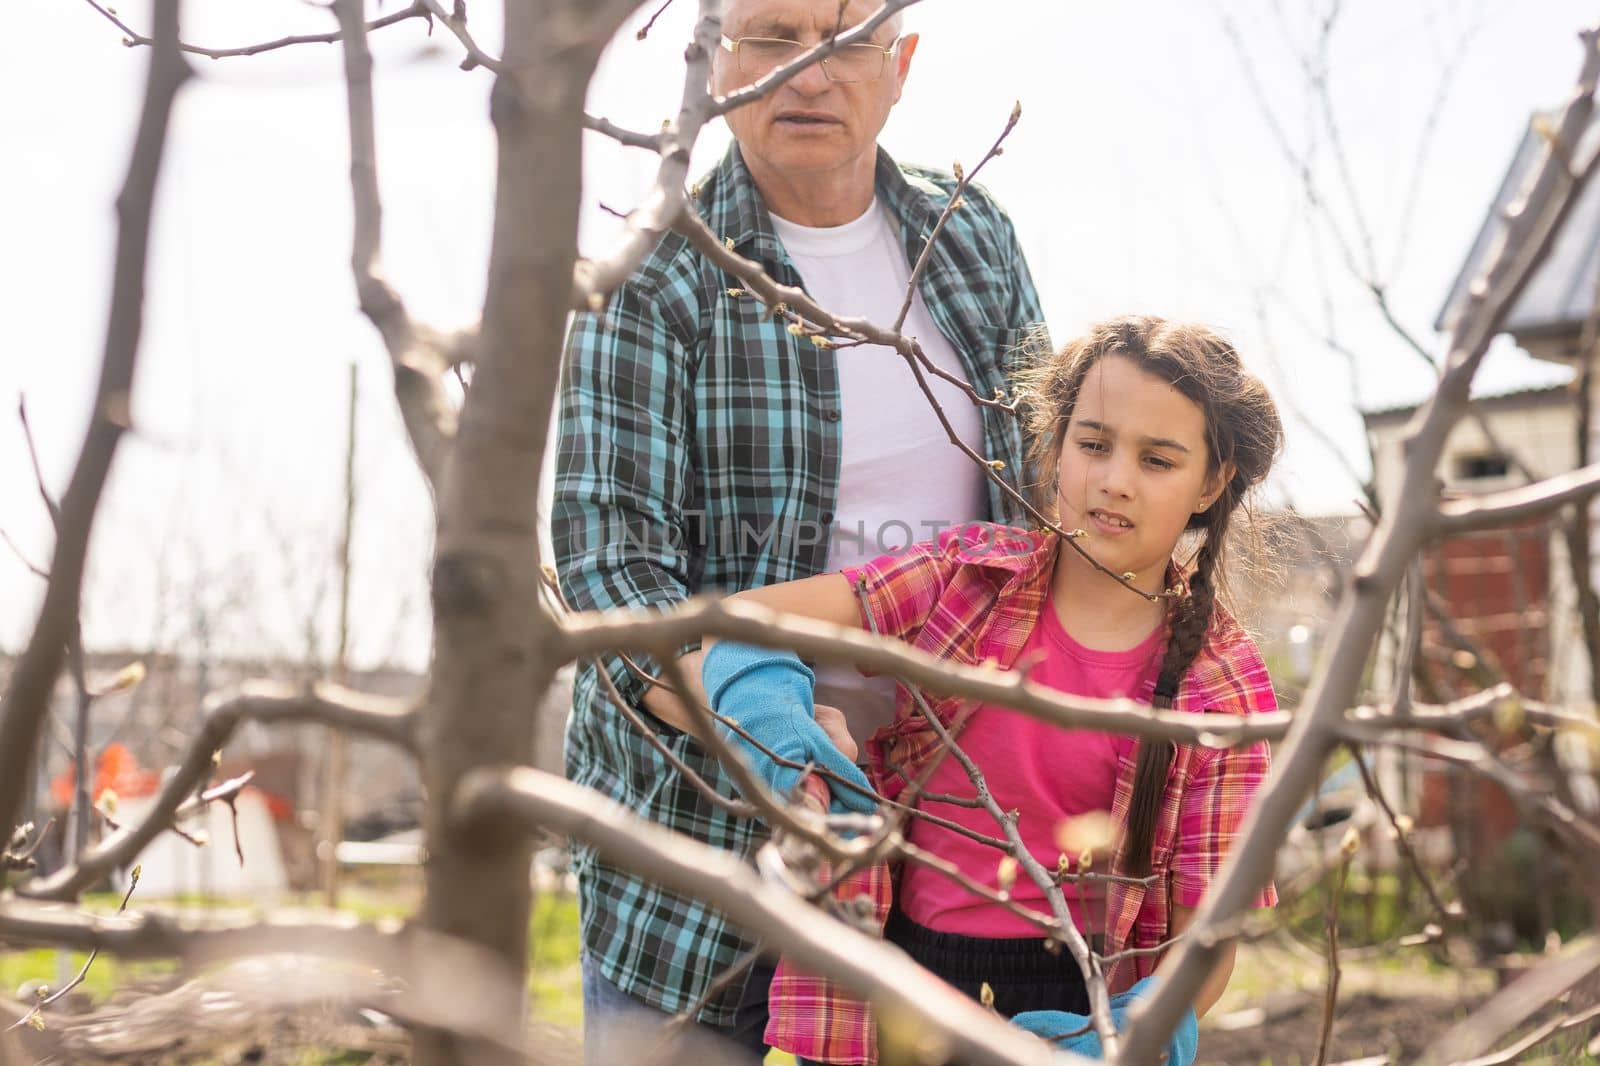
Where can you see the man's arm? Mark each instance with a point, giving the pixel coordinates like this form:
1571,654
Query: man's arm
624,464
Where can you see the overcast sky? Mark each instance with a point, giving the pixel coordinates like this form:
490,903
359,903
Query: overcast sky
1151,172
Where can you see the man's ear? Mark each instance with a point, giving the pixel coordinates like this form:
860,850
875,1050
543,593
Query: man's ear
1215,484
902,61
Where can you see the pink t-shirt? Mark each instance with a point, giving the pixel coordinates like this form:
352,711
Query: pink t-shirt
1045,773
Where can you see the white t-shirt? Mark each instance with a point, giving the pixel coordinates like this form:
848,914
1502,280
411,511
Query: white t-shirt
900,478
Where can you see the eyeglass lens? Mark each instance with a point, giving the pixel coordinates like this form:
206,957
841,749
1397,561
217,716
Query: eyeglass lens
853,62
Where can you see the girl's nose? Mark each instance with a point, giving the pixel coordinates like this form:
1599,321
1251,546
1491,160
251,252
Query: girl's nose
1116,477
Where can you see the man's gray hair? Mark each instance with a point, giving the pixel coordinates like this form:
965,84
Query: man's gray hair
897,21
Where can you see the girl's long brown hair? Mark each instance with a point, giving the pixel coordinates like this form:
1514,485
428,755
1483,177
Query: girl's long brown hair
1243,432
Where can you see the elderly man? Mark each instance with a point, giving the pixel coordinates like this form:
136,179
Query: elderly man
706,448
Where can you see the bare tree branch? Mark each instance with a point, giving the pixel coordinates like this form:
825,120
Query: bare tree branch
963,179
27,697
441,978
590,633
862,31
418,355
1515,1004
1530,229
132,38
1496,509
1065,931
1402,839
328,705
1330,999
58,994
865,965
626,138
455,20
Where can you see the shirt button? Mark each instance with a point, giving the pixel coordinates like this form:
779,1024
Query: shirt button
832,414
827,518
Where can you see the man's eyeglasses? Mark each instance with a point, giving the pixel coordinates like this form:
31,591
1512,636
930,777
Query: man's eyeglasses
853,62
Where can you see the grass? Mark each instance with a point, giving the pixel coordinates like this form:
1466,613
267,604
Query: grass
554,988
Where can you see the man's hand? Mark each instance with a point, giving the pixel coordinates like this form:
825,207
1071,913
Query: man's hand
831,719
769,694
661,701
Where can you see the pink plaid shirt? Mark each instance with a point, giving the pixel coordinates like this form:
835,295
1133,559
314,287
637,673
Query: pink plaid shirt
972,597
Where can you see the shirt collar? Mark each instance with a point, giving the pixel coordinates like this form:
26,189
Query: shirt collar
735,210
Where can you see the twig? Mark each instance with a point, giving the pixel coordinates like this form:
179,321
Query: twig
1064,930
626,138
772,809
788,298
644,31
963,179
132,38
46,1000
78,838
455,21
741,966
1330,999
861,31
1402,838
1410,637
28,564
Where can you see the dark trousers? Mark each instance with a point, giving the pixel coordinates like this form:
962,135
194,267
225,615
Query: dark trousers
1022,973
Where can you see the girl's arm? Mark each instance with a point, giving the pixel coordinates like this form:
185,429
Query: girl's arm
1217,982
825,597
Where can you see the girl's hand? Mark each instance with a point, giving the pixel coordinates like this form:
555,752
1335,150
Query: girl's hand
1074,1033
768,693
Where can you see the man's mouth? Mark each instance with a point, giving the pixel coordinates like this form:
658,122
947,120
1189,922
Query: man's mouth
802,118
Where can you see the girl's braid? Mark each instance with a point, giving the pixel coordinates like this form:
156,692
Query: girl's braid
1190,621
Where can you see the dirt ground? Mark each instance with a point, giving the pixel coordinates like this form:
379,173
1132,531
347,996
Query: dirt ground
1366,1026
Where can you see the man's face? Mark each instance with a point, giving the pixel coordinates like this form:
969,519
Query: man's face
810,124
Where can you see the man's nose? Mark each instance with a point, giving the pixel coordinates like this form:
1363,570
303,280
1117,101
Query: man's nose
811,81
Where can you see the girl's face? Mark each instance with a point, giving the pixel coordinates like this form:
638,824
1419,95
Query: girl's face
1133,468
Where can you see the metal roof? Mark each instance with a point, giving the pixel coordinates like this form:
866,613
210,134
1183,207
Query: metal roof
1561,292
1533,396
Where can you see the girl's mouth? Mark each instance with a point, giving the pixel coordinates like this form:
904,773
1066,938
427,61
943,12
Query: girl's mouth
1110,521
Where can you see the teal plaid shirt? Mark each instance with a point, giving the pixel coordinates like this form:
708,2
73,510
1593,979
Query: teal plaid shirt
699,451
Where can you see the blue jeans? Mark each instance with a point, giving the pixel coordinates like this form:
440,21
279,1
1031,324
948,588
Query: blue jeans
620,1029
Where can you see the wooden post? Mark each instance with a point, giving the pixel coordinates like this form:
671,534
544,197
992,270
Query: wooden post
332,828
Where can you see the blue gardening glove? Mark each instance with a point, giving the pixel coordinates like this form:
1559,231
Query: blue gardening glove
1052,1024
769,693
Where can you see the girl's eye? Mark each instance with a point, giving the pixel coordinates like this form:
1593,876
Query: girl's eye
1092,445
1158,462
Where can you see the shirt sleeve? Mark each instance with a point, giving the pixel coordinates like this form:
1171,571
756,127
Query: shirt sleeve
624,461
896,593
1218,797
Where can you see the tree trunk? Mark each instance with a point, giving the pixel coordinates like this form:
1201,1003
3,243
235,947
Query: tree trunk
491,660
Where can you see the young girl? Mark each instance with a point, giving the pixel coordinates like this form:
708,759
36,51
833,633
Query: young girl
1150,436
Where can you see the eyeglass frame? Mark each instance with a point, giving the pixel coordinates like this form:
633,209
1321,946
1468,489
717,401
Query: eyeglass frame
731,45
